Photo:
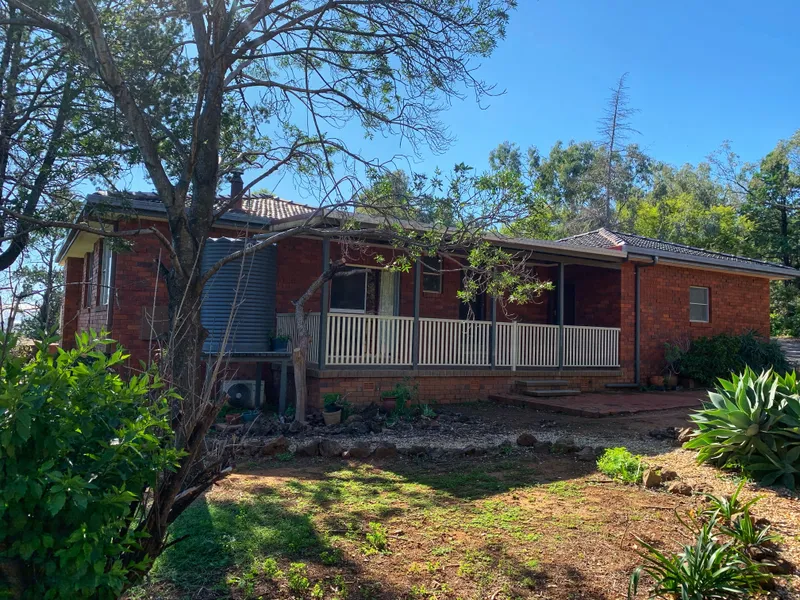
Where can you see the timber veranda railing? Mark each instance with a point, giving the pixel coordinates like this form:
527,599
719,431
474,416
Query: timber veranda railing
356,340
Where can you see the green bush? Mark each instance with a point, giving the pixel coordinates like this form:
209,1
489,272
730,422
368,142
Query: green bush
78,447
710,358
753,423
621,465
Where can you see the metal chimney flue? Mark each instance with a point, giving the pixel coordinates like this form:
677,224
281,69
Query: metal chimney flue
237,185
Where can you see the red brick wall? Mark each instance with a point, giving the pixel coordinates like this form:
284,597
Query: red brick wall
73,293
738,303
445,387
597,295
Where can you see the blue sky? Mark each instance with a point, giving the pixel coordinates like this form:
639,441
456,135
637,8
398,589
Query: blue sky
699,72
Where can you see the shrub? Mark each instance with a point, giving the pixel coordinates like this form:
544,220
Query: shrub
711,358
752,422
621,465
707,570
78,447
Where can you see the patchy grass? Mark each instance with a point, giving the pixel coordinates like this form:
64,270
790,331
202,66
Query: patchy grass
475,529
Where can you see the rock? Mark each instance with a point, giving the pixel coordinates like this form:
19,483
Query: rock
564,445
526,439
385,450
375,427
680,488
780,567
370,412
353,419
651,479
667,433
359,450
357,428
668,475
297,427
541,447
586,454
330,448
599,451
762,522
473,451
462,418
417,451
684,435
309,448
275,446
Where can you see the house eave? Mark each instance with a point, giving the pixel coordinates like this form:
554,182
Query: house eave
708,263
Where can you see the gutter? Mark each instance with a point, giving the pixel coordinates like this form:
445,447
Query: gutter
638,320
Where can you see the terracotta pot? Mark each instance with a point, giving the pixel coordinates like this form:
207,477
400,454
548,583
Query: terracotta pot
670,381
389,403
688,383
333,417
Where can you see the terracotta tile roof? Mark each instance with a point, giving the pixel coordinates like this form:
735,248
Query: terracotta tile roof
262,206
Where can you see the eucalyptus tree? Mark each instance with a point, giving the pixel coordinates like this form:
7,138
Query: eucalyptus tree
207,88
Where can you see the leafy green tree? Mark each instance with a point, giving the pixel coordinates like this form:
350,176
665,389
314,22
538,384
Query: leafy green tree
80,450
205,89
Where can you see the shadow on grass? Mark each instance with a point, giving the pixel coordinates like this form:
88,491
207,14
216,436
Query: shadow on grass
235,533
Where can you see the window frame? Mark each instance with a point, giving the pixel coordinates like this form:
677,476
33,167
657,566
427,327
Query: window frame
430,271
106,269
706,304
351,311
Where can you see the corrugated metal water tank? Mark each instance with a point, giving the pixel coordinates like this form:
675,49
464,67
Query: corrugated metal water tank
243,289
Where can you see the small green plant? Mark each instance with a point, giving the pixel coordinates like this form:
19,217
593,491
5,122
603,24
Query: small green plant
331,401
724,508
404,394
270,569
331,557
377,539
245,582
426,412
317,591
284,456
747,535
708,570
297,578
621,465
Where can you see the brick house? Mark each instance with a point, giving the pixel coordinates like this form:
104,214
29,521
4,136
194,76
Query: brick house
618,299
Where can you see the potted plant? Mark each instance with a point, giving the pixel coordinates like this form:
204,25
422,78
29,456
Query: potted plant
280,343
673,353
398,399
332,409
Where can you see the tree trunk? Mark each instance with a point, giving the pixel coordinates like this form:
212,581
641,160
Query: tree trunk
299,354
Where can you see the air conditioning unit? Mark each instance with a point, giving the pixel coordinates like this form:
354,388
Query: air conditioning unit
242,393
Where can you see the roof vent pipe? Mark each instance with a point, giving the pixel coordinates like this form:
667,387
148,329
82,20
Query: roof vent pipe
237,185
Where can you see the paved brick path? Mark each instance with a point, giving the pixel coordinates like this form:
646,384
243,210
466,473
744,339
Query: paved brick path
604,405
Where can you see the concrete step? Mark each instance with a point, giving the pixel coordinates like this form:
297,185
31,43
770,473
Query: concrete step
537,383
549,393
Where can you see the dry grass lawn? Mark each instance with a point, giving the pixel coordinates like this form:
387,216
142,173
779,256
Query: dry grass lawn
499,527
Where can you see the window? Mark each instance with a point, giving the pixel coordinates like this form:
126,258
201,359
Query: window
105,275
698,304
432,274
349,291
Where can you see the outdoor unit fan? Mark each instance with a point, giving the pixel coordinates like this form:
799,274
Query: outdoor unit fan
242,394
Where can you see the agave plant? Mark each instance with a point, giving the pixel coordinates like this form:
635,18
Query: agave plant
752,421
708,570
